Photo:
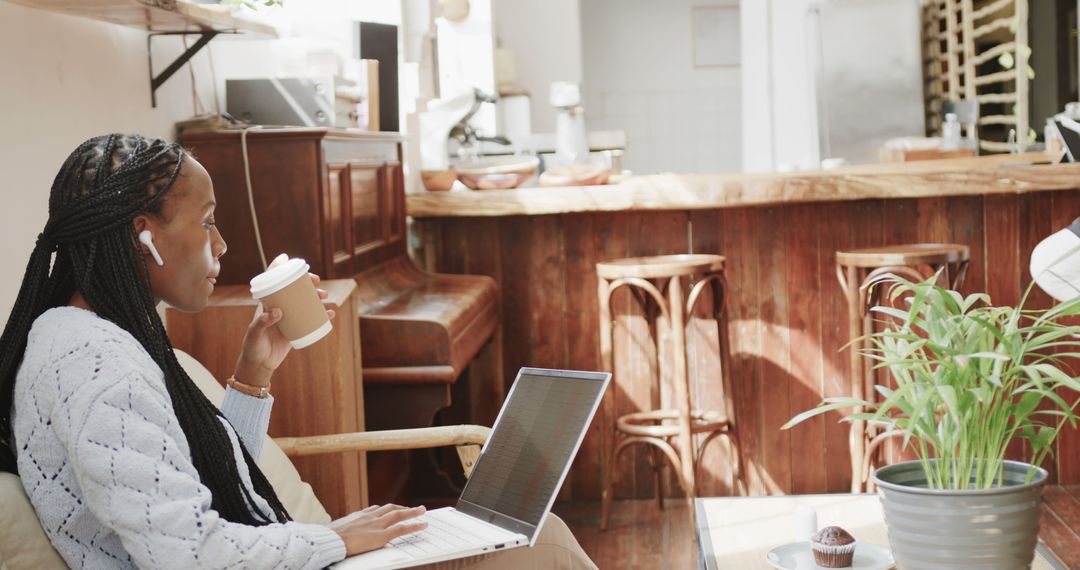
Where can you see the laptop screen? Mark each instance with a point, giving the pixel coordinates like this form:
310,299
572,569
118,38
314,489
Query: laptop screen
532,445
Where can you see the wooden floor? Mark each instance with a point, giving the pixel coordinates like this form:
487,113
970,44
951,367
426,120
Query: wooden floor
639,534
642,536
1060,525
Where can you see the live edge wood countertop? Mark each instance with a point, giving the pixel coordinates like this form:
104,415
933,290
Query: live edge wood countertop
998,174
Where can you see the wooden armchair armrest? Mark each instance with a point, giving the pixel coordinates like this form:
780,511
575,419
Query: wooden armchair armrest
467,438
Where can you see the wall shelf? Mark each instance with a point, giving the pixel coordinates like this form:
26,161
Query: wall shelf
204,20
186,17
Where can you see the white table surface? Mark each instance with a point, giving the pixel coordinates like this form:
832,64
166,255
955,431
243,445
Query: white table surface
737,532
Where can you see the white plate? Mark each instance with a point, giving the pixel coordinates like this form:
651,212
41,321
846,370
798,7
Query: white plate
797,556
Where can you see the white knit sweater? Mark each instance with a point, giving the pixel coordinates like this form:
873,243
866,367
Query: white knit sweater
108,469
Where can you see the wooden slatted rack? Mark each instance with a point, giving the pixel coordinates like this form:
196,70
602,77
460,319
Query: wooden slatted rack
978,50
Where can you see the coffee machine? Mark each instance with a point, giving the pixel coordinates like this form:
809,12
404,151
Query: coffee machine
448,119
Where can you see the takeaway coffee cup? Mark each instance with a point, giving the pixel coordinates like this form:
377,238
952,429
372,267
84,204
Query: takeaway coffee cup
287,287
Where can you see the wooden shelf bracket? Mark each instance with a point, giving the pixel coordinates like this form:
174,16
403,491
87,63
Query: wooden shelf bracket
158,80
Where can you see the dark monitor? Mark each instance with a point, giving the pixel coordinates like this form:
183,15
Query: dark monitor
380,42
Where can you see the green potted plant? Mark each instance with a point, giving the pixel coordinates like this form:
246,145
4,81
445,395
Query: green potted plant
970,378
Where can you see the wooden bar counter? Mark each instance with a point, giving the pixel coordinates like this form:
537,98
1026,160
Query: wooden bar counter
785,309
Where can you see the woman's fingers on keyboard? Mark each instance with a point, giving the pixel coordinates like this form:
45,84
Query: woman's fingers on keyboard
403,528
388,507
401,514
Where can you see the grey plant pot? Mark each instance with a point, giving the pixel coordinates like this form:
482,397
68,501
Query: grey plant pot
989,529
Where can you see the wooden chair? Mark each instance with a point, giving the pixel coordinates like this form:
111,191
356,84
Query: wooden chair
24,544
858,271
670,431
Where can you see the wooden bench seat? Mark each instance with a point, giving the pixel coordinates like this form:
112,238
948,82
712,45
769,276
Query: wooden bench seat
422,328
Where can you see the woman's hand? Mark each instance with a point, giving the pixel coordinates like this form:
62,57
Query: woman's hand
264,346
374,526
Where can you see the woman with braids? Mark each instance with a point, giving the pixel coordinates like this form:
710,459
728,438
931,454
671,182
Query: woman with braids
125,461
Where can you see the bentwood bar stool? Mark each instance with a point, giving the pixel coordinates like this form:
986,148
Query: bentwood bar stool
858,270
668,288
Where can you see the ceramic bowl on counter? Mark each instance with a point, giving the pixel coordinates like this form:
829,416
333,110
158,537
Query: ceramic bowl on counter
438,180
497,172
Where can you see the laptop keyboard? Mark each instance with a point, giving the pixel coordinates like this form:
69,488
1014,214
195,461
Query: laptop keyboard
447,532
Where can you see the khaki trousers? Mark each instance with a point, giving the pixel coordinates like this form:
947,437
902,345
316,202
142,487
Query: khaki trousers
555,549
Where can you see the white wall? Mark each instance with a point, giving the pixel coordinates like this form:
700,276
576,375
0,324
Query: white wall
639,77
467,59
545,40
779,118
794,107
757,89
65,79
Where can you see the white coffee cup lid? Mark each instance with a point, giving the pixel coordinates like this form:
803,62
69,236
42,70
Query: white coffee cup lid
273,280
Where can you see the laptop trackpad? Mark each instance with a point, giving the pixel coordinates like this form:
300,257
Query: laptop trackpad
373,559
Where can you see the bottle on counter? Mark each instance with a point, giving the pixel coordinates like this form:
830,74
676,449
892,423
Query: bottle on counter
1054,143
950,133
572,165
571,140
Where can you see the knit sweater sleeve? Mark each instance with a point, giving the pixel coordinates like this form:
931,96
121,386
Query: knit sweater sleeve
137,479
249,416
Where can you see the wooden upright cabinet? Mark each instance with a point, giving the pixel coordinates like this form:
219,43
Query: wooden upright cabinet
332,197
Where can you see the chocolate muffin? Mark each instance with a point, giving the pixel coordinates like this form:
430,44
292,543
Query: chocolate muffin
833,547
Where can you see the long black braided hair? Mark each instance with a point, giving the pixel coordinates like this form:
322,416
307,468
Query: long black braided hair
102,186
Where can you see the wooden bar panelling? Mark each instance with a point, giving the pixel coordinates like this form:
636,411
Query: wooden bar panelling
1065,206
804,284
786,315
1033,225
514,237
481,258
900,220
582,341
933,223
704,358
739,227
775,369
833,235
1001,227
609,242
965,215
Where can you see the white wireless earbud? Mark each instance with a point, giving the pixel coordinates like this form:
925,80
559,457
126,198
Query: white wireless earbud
147,239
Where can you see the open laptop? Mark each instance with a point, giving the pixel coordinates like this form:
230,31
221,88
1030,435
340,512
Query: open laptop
513,485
